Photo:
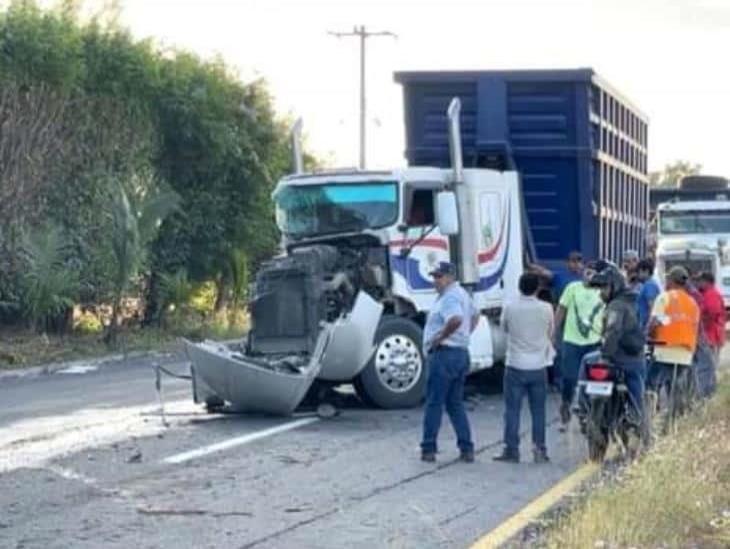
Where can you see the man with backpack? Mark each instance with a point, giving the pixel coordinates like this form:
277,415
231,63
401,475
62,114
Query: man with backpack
623,338
579,314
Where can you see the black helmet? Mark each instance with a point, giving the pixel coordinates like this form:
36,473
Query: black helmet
609,277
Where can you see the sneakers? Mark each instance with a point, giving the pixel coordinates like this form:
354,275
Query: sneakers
540,456
507,457
467,457
428,457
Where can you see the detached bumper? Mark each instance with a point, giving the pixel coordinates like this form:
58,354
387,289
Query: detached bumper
251,384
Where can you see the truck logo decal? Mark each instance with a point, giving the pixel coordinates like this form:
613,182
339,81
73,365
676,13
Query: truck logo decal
410,268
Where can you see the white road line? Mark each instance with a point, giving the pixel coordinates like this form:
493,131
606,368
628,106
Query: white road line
238,441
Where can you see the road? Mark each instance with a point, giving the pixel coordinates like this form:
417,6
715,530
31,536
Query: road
86,462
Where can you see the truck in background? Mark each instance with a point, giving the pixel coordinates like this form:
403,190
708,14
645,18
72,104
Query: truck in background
692,229
579,146
347,301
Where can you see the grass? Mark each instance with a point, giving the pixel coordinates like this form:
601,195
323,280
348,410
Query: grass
23,348
676,496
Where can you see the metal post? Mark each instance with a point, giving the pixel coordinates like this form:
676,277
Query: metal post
363,35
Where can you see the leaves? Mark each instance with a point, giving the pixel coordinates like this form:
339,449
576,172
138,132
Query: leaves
86,110
672,174
48,285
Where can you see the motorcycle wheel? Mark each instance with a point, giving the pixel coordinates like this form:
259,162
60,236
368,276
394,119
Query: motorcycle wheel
596,431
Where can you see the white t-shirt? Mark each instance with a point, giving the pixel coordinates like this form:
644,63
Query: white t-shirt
529,325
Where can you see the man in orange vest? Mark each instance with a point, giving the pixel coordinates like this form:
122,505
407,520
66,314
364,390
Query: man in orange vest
674,324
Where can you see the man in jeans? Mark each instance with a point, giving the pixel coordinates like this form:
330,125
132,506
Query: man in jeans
446,342
580,308
528,323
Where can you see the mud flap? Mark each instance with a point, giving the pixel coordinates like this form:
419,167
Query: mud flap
352,342
251,384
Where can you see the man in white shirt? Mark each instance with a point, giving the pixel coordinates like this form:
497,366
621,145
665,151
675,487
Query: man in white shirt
528,323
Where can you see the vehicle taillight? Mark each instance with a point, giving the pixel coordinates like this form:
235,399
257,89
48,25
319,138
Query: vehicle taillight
599,372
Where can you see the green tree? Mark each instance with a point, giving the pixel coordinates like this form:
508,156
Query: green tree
672,173
48,285
136,211
90,106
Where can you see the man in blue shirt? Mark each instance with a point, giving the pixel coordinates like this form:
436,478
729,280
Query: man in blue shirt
446,344
648,292
560,279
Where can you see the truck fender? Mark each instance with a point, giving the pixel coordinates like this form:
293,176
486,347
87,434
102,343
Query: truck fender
352,342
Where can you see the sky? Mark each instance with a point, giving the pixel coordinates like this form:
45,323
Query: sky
669,57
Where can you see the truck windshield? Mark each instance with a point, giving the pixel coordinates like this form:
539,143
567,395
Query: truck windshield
694,222
309,210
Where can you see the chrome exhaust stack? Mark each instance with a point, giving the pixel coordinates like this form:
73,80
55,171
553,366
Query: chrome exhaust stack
296,147
466,243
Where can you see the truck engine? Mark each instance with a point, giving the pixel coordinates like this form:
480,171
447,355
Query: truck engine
314,283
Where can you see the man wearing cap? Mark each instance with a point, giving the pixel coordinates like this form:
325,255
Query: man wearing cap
446,341
675,322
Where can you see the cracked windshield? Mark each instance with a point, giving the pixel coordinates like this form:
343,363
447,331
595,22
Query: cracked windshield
332,208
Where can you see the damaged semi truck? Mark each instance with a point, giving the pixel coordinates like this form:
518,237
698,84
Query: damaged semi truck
347,300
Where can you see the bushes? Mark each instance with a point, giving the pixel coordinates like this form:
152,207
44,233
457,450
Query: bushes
93,111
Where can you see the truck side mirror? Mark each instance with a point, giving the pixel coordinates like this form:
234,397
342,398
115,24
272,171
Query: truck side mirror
447,216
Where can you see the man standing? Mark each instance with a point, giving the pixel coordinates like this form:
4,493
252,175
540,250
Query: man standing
648,292
528,323
580,308
446,342
674,322
712,311
558,281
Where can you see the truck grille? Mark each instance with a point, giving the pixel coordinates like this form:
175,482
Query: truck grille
694,266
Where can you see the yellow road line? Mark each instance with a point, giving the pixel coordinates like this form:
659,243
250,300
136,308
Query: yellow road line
502,533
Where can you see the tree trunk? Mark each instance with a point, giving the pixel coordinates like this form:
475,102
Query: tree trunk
112,334
221,298
152,310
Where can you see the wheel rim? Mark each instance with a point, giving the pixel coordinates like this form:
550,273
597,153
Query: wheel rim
398,363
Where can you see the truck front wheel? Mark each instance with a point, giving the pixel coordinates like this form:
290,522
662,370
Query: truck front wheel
395,377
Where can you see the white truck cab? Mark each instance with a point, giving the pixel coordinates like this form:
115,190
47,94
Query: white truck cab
695,234
347,300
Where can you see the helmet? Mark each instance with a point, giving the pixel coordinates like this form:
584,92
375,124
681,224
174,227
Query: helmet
678,275
609,278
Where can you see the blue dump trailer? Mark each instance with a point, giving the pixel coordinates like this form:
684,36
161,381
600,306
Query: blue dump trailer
579,145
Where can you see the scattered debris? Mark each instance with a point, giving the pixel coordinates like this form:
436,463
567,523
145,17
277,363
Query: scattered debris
191,512
327,411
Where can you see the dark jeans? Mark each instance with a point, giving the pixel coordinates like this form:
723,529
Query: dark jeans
571,358
447,369
516,384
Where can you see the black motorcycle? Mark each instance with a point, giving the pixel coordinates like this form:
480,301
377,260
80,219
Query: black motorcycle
607,413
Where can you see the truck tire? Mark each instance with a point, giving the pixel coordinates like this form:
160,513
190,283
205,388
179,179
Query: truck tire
395,376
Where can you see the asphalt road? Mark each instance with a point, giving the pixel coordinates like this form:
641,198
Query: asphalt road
86,462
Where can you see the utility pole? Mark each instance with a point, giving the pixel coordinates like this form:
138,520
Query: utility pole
363,34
